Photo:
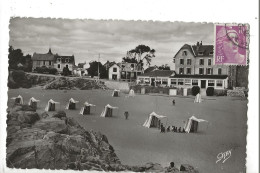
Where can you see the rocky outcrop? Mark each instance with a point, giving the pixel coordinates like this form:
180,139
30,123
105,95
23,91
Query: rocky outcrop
48,142
74,83
40,80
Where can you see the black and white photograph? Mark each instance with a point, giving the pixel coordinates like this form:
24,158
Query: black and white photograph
111,95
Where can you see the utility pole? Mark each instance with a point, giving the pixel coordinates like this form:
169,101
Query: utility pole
98,65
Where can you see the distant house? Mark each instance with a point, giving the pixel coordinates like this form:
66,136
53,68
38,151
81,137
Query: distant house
130,71
156,77
53,61
39,60
114,72
81,69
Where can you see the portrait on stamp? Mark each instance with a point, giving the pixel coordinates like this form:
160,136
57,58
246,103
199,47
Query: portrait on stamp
231,44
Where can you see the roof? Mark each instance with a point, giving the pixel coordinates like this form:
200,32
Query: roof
63,58
159,73
196,49
205,49
81,65
43,57
200,76
156,115
149,69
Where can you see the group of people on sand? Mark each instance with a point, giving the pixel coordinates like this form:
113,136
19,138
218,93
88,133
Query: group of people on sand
171,129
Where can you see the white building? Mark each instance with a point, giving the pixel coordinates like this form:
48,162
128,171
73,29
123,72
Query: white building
114,72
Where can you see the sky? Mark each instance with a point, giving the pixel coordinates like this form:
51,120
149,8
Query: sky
86,39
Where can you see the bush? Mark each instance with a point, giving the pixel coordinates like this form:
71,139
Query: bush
66,71
220,92
53,70
210,91
195,90
18,76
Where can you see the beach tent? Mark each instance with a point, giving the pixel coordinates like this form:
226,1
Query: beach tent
154,120
116,93
192,124
108,111
197,98
18,100
71,104
131,93
33,102
85,110
51,105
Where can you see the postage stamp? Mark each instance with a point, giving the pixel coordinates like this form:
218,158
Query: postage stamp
231,44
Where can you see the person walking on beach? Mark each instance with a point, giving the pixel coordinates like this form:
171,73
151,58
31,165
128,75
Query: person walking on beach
126,115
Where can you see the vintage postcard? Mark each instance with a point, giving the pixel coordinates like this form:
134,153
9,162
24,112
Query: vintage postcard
132,96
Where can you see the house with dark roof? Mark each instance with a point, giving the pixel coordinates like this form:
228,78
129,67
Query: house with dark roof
64,61
39,60
156,77
194,65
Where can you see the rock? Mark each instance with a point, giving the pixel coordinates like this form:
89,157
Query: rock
27,108
52,124
188,168
44,115
28,117
59,114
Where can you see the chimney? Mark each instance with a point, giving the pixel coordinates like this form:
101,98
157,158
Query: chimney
49,51
200,43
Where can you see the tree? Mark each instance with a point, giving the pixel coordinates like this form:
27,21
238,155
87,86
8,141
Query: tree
16,57
66,71
164,67
141,53
93,69
130,60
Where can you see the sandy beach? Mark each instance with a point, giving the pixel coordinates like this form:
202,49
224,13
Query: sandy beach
135,144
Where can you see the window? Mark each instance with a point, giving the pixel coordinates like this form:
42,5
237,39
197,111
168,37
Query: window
180,81
58,65
209,61
173,81
188,70
158,80
209,70
219,83
114,69
58,59
132,75
184,53
164,81
147,80
195,82
201,61
201,70
219,71
141,79
210,53
211,83
49,62
200,53
180,70
123,75
173,60
188,61
67,60
182,61
187,81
